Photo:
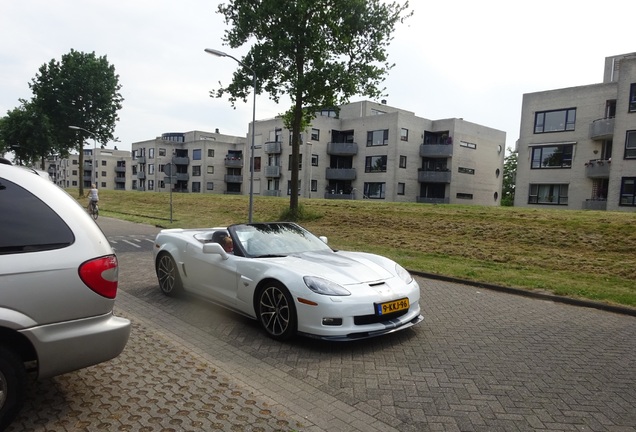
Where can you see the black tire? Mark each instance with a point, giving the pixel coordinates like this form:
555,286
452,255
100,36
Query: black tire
276,311
95,212
168,275
12,386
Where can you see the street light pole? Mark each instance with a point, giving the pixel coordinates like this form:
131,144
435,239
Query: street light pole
222,54
93,135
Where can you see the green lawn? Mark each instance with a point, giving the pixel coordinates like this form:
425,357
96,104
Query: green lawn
585,254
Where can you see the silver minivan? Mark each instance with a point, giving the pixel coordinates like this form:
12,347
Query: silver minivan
58,283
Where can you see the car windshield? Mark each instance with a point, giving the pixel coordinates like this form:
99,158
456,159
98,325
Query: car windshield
275,239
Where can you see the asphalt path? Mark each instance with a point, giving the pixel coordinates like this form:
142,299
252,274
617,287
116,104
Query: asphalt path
481,360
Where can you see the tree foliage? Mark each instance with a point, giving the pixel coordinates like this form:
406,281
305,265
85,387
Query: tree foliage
319,53
509,179
81,90
25,131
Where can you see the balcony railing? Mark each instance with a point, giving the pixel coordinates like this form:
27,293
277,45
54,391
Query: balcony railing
182,176
595,204
271,193
429,176
233,163
229,178
272,171
140,159
272,147
141,175
181,160
342,149
339,196
602,129
341,174
120,169
436,150
598,168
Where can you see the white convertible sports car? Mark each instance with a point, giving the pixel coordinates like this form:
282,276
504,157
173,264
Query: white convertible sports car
289,280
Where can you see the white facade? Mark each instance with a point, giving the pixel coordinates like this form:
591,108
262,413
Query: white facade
577,146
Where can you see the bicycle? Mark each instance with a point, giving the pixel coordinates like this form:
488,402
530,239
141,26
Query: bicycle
93,209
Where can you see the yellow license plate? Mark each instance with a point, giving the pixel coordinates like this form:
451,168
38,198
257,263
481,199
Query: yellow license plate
392,306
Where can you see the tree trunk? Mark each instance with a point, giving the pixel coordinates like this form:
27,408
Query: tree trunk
296,123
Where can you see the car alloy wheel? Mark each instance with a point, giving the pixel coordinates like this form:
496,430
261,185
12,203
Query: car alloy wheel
12,385
276,311
168,275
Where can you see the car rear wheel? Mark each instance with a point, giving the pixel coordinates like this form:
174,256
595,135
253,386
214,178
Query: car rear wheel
276,311
168,275
12,385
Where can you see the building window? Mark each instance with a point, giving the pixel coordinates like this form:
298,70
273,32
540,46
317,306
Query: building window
257,164
630,145
628,191
151,185
196,186
209,186
162,152
103,162
377,138
196,171
555,121
554,194
463,170
289,187
469,145
401,188
559,156
314,160
196,154
315,134
74,172
314,185
404,134
210,169
151,168
632,98
151,153
466,196
210,152
375,190
162,184
375,164
402,161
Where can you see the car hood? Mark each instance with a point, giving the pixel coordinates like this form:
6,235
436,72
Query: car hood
344,268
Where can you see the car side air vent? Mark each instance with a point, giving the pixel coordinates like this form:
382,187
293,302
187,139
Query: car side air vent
376,284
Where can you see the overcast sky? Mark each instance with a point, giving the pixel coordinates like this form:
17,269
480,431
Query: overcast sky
454,58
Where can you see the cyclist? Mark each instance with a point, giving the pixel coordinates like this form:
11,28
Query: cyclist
93,197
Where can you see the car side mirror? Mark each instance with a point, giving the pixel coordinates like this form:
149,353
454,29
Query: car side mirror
324,239
215,248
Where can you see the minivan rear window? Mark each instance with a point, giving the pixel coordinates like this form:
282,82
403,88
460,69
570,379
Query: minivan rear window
27,224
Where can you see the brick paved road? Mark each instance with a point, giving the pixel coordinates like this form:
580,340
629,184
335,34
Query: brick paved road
481,361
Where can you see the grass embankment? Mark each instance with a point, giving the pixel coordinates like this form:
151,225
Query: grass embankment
584,254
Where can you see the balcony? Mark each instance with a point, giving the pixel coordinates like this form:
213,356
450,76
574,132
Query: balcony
595,204
272,147
141,175
233,163
120,169
436,150
602,129
88,166
182,176
272,171
341,174
424,176
140,159
426,200
181,160
339,196
598,168
342,149
120,179
271,193
229,178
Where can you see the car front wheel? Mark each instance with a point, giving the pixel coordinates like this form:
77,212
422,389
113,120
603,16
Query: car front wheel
168,275
12,385
276,311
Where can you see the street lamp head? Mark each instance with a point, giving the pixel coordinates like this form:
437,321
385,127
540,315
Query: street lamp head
215,52
74,127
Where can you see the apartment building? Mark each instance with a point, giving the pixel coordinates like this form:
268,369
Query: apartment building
577,145
195,161
370,150
107,168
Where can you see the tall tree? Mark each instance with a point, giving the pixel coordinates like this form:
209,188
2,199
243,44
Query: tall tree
509,179
26,132
80,90
317,52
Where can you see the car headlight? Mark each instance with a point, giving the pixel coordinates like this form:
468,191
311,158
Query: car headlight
324,286
403,274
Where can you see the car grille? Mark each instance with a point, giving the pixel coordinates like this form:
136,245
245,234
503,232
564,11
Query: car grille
375,319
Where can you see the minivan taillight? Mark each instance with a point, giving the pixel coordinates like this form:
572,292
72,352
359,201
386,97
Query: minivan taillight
101,275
